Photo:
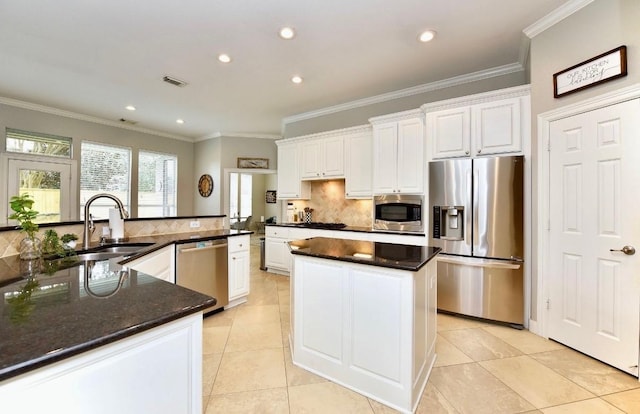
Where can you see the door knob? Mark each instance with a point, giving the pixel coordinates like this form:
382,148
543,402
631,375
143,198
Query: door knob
628,250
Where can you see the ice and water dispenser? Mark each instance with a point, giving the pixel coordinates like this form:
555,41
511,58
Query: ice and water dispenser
448,222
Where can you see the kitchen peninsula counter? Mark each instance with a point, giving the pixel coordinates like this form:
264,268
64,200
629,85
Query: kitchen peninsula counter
363,314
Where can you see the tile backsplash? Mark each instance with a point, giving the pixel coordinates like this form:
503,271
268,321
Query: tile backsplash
10,239
330,205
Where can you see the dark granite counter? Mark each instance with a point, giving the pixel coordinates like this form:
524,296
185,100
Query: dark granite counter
395,256
359,229
60,312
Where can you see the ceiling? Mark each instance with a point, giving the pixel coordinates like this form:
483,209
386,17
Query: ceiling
96,57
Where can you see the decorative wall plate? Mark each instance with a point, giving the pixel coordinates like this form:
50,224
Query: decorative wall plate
205,185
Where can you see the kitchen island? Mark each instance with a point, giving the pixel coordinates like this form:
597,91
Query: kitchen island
116,340
363,314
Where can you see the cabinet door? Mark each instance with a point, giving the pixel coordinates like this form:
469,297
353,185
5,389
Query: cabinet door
277,254
410,167
449,132
238,274
160,264
385,157
311,159
358,167
497,127
289,184
333,157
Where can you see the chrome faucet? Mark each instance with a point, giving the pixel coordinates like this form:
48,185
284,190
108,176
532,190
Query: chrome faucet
89,227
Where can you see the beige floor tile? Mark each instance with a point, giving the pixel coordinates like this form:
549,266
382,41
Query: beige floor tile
210,365
224,318
250,371
523,340
447,354
433,402
379,408
448,322
214,339
592,406
297,375
263,294
587,372
272,401
537,383
257,314
247,337
326,398
628,401
284,298
469,388
479,344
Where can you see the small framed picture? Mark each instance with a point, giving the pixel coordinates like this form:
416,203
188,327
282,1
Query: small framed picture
270,196
253,163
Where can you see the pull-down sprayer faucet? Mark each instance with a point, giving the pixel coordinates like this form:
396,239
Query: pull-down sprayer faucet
89,228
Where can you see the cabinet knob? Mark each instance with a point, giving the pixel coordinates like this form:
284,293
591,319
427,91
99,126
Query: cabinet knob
479,151
466,152
233,257
240,245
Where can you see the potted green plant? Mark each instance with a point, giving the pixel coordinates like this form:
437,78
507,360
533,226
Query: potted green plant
24,214
69,241
51,244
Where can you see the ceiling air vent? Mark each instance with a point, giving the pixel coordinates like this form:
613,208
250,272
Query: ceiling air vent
174,81
128,122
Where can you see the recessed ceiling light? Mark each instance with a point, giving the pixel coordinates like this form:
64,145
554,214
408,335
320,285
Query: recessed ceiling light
130,108
224,58
296,79
180,121
427,36
287,33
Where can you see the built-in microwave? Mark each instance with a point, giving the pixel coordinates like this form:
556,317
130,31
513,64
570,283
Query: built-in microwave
398,213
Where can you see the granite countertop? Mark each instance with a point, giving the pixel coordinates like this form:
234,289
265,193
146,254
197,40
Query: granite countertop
395,256
360,229
54,314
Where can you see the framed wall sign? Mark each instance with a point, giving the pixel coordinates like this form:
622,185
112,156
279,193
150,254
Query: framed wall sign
270,196
605,67
253,163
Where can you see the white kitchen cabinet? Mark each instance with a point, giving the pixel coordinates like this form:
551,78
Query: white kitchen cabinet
277,255
239,260
398,156
322,158
290,186
358,164
159,263
163,365
484,124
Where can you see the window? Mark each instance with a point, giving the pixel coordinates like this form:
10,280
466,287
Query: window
157,176
104,169
25,142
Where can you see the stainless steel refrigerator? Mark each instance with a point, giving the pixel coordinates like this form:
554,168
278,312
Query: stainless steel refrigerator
477,218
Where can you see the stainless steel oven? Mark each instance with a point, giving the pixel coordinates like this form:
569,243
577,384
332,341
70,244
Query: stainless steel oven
399,213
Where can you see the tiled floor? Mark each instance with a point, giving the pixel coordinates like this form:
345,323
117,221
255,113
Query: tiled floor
480,368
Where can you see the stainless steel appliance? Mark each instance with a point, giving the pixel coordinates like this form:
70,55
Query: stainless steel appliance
398,212
477,219
203,267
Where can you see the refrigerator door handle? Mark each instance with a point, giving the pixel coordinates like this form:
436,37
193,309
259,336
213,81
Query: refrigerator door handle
470,214
473,262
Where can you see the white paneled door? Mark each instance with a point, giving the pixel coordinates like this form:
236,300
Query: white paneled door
594,284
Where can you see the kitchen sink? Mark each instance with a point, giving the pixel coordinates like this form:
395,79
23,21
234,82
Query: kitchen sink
109,252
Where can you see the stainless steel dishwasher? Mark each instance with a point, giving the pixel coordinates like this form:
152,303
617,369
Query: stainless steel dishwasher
203,267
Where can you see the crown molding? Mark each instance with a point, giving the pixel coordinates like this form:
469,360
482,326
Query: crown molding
238,135
415,90
506,93
367,128
82,117
555,16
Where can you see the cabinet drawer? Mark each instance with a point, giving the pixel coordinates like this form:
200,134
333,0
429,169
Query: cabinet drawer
238,243
275,231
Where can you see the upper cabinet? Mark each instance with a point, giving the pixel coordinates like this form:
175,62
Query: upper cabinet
289,184
358,148
477,125
398,154
322,158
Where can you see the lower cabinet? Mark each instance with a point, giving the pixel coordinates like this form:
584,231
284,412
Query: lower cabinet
156,371
239,274
277,255
159,263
